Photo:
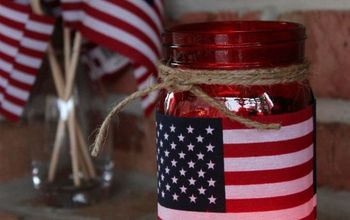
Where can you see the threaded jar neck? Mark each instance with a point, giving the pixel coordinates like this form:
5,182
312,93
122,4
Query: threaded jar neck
234,45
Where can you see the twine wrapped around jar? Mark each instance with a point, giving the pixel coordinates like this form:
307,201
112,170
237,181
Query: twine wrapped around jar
180,80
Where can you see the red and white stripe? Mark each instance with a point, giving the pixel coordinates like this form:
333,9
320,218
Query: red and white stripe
296,213
28,60
13,18
269,174
72,12
270,170
52,7
131,28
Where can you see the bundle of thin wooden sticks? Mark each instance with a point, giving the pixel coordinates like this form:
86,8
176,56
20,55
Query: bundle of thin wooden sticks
82,166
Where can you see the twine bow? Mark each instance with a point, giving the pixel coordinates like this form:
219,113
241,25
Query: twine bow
180,80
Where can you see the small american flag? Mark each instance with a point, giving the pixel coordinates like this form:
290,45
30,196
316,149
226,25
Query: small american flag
217,169
131,28
11,32
25,38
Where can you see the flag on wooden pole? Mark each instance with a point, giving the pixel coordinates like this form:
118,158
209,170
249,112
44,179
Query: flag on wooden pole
131,28
12,24
26,38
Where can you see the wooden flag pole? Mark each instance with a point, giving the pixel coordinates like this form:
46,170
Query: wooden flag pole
62,123
73,65
74,148
67,48
55,67
70,73
74,152
56,150
57,76
78,147
56,71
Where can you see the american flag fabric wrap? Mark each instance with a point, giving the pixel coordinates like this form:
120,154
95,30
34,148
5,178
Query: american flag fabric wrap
131,28
24,38
213,168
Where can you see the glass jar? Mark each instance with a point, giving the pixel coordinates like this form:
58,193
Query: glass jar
53,174
236,45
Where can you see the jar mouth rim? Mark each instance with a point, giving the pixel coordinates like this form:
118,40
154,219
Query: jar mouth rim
235,27
234,44
234,34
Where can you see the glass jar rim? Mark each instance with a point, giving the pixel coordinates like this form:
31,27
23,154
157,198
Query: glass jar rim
234,44
234,32
236,26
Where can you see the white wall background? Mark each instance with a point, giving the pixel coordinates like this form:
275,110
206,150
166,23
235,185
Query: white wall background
176,8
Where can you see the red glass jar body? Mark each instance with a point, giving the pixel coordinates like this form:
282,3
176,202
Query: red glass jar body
258,174
232,46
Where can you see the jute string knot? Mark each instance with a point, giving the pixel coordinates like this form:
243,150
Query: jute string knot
181,80
177,84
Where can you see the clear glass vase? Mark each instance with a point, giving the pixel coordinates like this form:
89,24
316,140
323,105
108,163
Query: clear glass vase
62,170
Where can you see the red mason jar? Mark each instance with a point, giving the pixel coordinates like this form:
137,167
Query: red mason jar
267,179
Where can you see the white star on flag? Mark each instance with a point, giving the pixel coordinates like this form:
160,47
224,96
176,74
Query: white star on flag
200,139
192,181
190,147
211,182
210,148
166,153
210,165
173,163
193,198
173,145
201,173
181,138
202,191
190,129
191,164
209,130
182,172
175,196
183,189
174,179
212,199
182,155
200,156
